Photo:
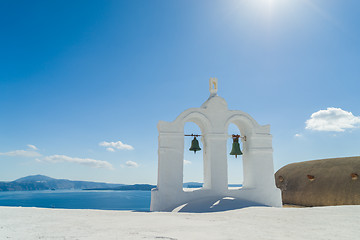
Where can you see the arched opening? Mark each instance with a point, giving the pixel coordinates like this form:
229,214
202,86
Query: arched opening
235,164
193,173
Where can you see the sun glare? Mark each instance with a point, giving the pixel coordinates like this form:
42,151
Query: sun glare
279,12
274,8
267,2
266,8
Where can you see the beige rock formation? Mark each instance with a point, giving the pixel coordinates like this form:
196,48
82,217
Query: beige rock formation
323,182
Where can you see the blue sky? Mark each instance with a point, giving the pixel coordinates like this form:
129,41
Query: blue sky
76,74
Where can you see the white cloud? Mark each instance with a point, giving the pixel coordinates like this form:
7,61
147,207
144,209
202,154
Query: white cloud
110,149
83,161
187,162
21,153
131,164
332,120
298,135
32,147
116,145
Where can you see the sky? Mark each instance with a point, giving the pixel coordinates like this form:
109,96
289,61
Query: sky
83,84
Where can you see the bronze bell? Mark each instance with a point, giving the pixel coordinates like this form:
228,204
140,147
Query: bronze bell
195,145
236,147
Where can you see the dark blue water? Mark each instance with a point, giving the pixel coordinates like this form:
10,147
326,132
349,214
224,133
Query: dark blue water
105,200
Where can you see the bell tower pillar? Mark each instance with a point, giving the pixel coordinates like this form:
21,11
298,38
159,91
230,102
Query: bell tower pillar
215,163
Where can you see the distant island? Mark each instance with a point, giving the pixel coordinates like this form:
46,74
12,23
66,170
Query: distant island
41,182
139,187
200,185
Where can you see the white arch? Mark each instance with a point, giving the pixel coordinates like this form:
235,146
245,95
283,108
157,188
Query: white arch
193,115
242,120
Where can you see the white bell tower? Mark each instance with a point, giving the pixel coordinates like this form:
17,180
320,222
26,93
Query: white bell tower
213,118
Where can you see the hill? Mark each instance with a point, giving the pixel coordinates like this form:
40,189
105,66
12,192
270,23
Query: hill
41,182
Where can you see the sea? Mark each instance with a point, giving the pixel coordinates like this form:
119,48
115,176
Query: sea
79,199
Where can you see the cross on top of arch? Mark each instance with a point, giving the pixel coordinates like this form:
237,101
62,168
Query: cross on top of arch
213,86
